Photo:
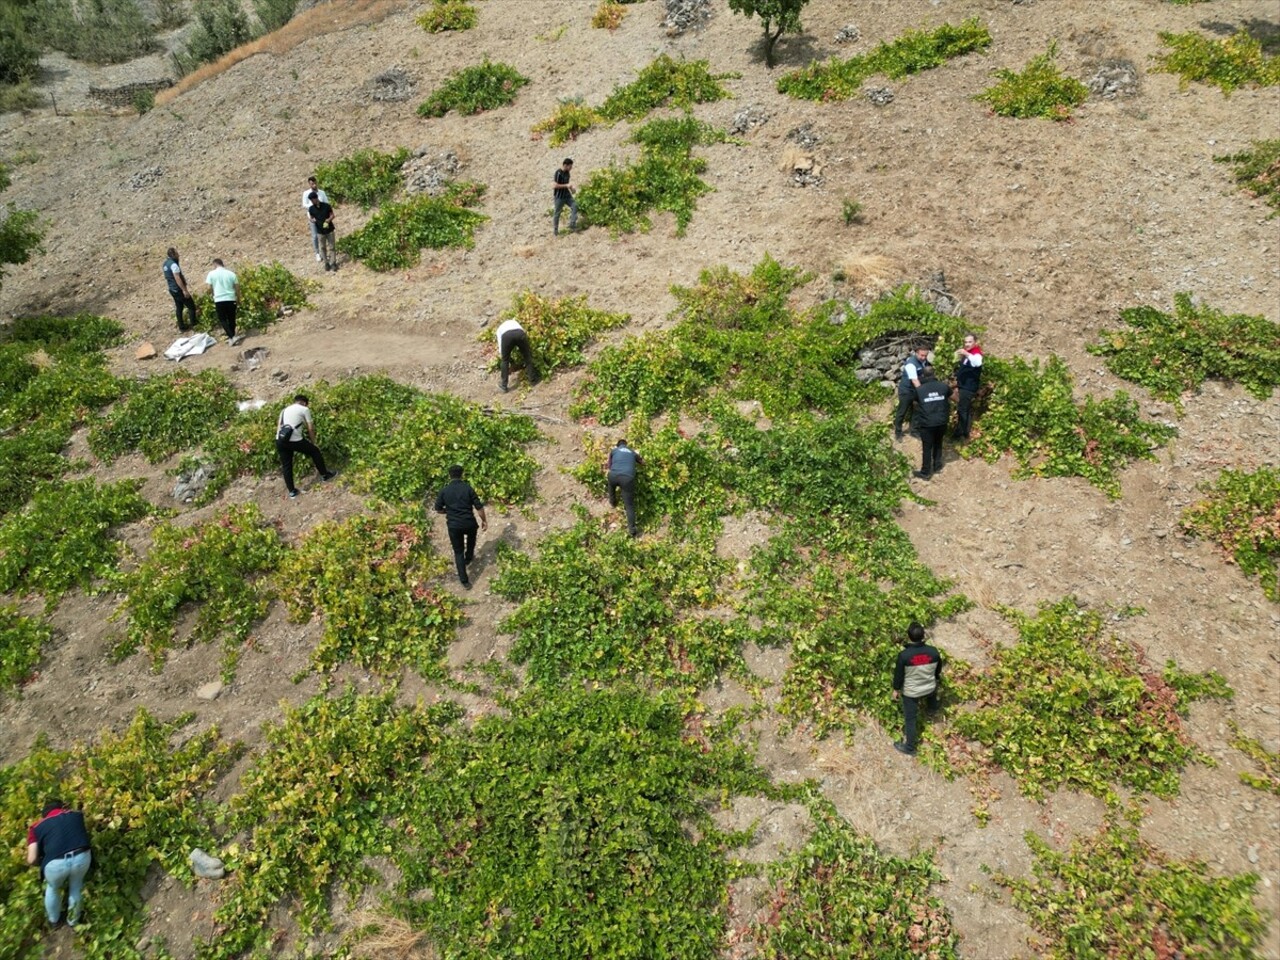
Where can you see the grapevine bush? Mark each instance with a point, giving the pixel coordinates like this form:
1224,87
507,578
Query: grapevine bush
1267,762
1115,896
1071,706
445,15
562,329
1033,415
21,640
367,177
1040,90
375,580
1172,354
166,414
1257,170
1229,63
77,334
218,566
485,86
665,83
1242,515
266,292
396,235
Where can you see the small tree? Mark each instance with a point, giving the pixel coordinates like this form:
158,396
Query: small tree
20,232
779,17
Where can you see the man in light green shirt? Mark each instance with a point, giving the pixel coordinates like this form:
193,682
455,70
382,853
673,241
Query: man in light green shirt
226,291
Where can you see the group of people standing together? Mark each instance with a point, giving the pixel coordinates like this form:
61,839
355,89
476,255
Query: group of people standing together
919,387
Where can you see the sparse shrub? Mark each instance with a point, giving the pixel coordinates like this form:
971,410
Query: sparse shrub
376,582
21,640
445,15
1172,354
397,234
218,566
1258,171
914,51
20,231
171,14
19,96
144,101
104,31
19,48
274,14
608,15
851,212
1033,414
1241,514
78,334
581,819
325,795
839,896
61,539
570,120
1265,760
1229,64
266,291
221,26
27,458
1114,895
665,83
1040,90
485,86
561,329
62,394
367,177
597,606
1095,716
146,803
166,414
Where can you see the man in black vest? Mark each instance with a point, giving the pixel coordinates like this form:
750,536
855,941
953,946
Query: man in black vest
456,500
59,844
968,379
934,410
907,384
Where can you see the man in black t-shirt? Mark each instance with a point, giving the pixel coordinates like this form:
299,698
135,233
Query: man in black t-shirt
457,500
562,193
321,215
59,844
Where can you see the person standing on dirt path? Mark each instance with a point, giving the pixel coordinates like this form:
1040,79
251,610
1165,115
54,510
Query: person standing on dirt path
58,843
511,336
458,501
313,187
907,384
226,292
968,379
916,676
179,290
296,433
562,195
620,474
933,411
322,226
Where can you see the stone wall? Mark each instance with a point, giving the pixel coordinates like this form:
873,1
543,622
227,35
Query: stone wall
122,96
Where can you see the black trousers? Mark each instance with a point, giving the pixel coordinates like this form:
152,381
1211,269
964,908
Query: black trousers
181,300
627,485
287,448
911,715
964,414
226,310
463,541
905,403
931,448
512,340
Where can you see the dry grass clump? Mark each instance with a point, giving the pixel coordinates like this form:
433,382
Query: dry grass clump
380,937
870,274
316,22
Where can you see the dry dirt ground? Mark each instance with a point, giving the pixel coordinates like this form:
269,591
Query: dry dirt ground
1045,231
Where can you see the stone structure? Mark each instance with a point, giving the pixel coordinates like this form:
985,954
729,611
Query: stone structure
122,96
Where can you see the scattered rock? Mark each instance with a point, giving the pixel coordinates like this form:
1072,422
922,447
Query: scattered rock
206,867
879,96
1252,853
430,174
190,485
145,352
390,86
279,376
748,119
1114,78
849,33
804,137
253,357
209,691
683,15
145,178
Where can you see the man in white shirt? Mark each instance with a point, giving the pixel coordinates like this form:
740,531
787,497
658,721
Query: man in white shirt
306,205
296,433
226,291
510,336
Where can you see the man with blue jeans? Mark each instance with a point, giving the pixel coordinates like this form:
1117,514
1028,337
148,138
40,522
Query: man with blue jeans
562,195
59,844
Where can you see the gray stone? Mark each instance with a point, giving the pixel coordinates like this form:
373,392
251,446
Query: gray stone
869,374
430,174
849,33
879,96
206,867
209,691
390,86
1252,853
1114,78
190,485
748,119
683,15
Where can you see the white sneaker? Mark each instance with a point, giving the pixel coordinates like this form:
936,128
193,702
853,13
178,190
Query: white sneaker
318,258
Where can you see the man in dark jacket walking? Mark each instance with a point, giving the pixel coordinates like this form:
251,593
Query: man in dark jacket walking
916,676
458,502
934,410
59,844
620,471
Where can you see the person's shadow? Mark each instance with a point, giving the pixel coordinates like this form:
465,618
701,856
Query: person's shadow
487,552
